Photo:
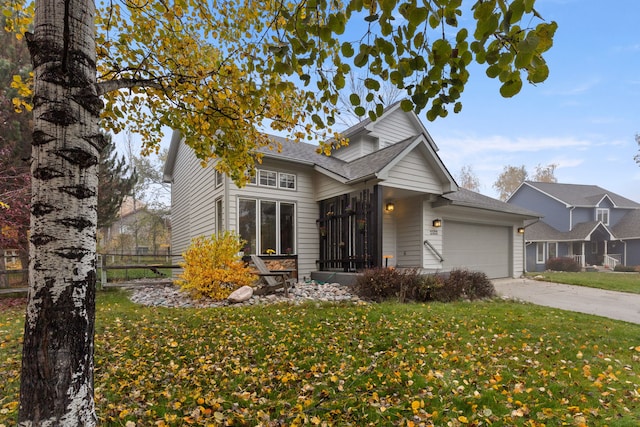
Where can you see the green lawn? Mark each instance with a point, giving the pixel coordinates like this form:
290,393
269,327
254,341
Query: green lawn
462,364
613,281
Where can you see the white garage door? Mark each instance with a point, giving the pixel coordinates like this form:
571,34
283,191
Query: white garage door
477,247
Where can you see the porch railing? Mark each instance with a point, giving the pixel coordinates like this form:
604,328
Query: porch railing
611,260
580,260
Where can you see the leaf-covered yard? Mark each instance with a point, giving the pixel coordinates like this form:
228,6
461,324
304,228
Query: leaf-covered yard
461,364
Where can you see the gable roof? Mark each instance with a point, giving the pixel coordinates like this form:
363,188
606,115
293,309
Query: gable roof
371,166
580,195
471,199
369,125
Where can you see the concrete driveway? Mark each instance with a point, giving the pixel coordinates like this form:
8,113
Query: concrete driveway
614,305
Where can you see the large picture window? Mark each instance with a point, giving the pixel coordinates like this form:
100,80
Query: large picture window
267,225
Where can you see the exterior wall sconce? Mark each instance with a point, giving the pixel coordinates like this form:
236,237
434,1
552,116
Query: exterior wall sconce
437,222
389,207
520,230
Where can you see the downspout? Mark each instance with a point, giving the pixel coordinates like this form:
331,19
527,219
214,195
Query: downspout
571,218
524,246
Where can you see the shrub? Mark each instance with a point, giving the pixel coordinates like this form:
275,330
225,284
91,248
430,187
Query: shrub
380,284
213,268
425,289
562,264
464,284
625,268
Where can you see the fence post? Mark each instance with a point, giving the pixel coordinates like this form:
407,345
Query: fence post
103,272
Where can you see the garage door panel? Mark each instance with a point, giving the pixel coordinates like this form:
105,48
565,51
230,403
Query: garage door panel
477,247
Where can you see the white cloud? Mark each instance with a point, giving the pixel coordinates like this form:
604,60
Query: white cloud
496,144
577,89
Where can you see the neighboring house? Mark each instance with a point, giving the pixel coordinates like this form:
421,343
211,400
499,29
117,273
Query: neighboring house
386,199
137,231
586,222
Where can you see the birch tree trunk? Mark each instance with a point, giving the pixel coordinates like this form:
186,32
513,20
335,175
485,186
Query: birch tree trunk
57,366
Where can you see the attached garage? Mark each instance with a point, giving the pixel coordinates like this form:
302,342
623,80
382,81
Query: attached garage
478,247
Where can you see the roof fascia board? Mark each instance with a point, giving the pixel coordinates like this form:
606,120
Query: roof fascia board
330,174
568,205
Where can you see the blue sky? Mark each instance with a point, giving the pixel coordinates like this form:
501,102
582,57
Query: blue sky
583,118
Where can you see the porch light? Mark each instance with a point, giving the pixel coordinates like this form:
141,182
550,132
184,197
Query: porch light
520,230
437,222
390,207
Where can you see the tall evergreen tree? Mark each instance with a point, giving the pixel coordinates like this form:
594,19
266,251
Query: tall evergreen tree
115,181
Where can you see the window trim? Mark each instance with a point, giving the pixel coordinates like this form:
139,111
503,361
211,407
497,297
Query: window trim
266,171
552,245
218,204
294,180
540,258
258,223
601,212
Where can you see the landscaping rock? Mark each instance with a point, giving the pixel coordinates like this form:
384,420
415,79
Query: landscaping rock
240,295
163,295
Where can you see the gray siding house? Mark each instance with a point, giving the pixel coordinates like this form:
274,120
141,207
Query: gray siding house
588,223
385,200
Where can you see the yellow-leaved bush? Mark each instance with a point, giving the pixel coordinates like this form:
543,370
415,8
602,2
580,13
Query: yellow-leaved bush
213,268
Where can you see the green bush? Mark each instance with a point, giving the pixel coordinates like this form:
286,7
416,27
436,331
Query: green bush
562,264
381,284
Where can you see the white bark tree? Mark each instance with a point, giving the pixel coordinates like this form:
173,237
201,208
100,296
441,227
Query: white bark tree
57,362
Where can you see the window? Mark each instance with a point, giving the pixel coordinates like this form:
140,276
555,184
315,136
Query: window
267,224
218,178
553,250
287,180
268,178
247,224
219,216
540,253
602,215
252,178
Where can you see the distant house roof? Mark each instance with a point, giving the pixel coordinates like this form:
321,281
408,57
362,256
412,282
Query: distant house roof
581,195
468,198
628,227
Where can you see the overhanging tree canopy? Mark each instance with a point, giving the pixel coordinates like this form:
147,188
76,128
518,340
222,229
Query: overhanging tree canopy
219,71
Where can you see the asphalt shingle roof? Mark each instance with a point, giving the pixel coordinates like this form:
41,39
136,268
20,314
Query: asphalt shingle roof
628,227
582,195
356,169
464,197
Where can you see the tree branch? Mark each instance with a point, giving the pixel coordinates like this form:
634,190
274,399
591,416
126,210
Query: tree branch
113,85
